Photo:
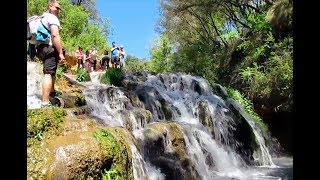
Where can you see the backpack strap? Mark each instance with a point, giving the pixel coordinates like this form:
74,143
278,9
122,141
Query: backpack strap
44,25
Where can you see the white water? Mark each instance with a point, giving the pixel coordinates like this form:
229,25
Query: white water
143,170
107,103
263,154
224,163
227,163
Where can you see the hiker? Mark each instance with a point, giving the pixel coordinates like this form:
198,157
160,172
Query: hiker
87,58
105,60
94,57
51,52
114,55
79,55
121,56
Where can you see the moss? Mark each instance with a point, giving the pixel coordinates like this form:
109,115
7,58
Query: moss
38,160
175,134
175,163
219,91
42,121
117,153
80,100
166,109
204,116
248,106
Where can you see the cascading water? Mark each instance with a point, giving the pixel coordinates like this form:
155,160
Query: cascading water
209,139
184,130
263,152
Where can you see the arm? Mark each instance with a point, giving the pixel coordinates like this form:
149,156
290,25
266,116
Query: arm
56,40
88,57
112,49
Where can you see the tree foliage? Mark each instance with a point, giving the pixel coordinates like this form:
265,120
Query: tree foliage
134,64
243,44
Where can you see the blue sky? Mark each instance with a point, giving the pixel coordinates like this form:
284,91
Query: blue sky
133,23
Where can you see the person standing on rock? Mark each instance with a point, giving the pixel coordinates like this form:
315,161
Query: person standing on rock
105,60
50,52
94,58
115,55
79,55
122,53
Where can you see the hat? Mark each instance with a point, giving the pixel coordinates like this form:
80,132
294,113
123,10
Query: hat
121,46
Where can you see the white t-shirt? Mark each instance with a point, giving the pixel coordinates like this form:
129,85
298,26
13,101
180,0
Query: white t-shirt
48,20
94,54
123,53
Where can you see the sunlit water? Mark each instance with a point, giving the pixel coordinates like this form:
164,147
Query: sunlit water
108,104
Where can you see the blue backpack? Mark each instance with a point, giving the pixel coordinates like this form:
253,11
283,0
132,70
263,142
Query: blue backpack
36,32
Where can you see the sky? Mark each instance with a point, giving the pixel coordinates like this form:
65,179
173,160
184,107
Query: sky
133,23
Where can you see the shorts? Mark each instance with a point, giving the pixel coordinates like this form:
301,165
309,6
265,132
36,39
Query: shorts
50,58
115,60
93,62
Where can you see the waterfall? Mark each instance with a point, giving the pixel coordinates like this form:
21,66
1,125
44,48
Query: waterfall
183,129
210,157
178,98
263,154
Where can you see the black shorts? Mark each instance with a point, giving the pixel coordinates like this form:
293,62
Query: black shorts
80,61
115,60
105,61
93,62
50,58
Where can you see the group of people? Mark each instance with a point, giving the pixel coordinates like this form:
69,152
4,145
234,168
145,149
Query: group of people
90,59
51,53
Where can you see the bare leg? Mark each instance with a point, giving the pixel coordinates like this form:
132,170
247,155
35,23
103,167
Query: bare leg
53,76
46,87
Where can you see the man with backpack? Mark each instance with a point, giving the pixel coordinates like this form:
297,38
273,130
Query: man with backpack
115,55
50,51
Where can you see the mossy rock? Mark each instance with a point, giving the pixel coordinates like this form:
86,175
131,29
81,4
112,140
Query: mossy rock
204,115
91,152
40,121
172,158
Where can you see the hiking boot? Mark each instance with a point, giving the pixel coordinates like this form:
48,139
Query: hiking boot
54,94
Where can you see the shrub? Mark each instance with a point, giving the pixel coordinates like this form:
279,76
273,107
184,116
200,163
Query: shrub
82,75
113,76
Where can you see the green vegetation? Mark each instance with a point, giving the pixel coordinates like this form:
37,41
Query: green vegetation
247,46
248,106
166,109
60,71
42,121
113,76
82,75
116,154
135,64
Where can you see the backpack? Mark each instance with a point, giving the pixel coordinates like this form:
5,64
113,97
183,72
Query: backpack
36,31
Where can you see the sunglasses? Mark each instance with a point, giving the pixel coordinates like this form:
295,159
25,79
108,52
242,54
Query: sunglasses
58,8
